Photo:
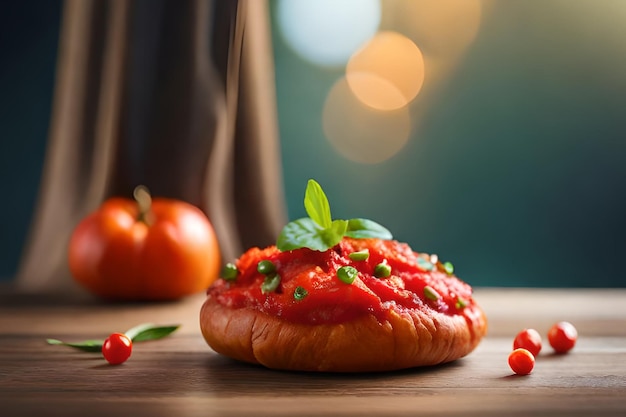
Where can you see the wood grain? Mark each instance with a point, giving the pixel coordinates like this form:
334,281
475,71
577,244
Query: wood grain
181,376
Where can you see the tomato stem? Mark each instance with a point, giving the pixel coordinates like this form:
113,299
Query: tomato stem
144,201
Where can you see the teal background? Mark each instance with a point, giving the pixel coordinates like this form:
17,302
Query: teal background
515,172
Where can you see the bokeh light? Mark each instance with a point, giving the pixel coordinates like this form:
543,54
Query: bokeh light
359,132
388,72
442,27
327,32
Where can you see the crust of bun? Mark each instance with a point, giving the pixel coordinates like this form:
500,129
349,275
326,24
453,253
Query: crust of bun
404,339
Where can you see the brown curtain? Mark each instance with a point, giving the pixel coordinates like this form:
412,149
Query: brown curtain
176,95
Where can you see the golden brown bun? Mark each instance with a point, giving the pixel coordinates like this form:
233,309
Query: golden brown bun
402,340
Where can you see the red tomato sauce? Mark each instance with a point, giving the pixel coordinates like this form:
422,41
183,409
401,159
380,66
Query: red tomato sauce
330,300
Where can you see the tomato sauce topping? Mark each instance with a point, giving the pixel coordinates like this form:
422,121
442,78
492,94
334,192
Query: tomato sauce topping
417,281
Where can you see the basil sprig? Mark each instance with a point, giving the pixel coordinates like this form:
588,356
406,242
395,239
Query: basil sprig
149,331
85,345
140,333
319,231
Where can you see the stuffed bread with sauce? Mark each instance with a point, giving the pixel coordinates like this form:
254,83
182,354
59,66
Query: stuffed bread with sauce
340,296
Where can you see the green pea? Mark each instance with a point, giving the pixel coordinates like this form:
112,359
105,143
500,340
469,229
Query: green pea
299,293
424,264
347,274
361,255
449,268
431,293
229,272
266,267
382,270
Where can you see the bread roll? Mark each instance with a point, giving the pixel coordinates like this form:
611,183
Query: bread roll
418,315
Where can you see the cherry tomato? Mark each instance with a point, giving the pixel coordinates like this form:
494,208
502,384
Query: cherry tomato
159,249
521,361
529,339
562,336
117,348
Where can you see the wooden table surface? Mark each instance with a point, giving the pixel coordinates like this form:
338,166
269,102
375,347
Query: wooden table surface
181,376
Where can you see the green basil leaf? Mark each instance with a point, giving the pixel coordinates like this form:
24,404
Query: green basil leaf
149,331
305,233
364,228
334,233
319,231
85,346
339,227
316,204
297,233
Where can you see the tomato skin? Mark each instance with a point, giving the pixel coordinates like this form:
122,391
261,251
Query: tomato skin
529,339
562,337
521,361
117,348
116,256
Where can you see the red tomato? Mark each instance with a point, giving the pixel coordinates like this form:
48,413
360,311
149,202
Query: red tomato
521,361
164,251
562,337
529,339
117,348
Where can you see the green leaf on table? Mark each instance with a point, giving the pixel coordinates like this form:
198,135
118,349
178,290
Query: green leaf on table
140,333
149,331
85,346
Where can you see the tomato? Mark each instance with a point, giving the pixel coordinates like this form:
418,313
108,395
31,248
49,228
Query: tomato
117,348
529,339
144,249
521,361
334,293
562,337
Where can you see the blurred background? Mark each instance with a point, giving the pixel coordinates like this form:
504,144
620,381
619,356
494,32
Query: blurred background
489,132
